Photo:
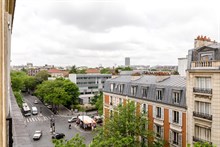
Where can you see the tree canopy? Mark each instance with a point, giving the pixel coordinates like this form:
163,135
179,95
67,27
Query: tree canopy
123,129
59,91
42,76
105,71
76,141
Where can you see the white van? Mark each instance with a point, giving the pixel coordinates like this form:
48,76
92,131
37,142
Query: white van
34,110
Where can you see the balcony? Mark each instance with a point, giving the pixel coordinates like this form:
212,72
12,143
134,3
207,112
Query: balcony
196,139
202,90
202,115
205,65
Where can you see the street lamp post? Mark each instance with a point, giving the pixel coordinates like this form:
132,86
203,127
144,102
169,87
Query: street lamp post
52,124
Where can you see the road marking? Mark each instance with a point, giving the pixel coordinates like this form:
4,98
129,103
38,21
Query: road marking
38,119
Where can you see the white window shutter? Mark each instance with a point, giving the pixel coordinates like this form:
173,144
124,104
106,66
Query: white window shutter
180,139
162,132
180,118
146,107
154,111
170,116
162,113
171,136
141,108
155,129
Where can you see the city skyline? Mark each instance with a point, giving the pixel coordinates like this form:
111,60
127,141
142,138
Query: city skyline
91,33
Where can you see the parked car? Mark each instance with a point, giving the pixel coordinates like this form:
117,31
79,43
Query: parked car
58,136
35,101
72,119
37,135
49,106
34,110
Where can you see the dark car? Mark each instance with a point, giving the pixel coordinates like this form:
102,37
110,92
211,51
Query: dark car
58,136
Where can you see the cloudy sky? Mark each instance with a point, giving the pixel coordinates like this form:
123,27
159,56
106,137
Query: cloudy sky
94,32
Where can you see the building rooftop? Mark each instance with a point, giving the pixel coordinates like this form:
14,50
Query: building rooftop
173,80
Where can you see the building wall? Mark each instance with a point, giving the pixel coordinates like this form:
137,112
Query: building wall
88,84
6,15
182,66
165,122
213,99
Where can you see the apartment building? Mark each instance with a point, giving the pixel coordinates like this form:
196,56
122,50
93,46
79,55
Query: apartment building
203,92
162,97
89,84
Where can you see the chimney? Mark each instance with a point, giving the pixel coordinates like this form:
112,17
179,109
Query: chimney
202,41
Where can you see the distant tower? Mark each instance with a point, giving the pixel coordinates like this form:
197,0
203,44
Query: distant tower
127,61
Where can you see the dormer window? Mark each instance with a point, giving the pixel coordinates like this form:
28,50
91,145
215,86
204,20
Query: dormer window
133,90
159,94
144,92
206,56
121,88
176,97
112,87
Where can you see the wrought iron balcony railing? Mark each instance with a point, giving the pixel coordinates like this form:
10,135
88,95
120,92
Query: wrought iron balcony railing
202,90
202,115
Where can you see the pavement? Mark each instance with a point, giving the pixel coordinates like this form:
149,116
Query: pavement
65,112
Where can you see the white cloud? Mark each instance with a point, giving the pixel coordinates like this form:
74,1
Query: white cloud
104,32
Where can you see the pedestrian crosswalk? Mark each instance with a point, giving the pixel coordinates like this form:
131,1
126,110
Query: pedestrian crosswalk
37,118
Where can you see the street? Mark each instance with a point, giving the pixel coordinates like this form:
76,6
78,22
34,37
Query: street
42,122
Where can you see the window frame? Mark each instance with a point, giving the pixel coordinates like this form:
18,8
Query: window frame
176,116
134,90
159,94
144,92
158,112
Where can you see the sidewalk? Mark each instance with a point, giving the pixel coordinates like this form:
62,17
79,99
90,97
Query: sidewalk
65,112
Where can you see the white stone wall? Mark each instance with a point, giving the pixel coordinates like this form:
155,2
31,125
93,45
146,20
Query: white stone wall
182,66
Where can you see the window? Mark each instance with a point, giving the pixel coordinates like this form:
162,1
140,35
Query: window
133,90
159,95
176,116
158,131
158,109
175,138
176,97
144,92
202,133
203,82
144,108
203,107
111,100
206,57
112,87
121,88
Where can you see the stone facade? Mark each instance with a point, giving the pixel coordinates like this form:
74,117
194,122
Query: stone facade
6,15
203,93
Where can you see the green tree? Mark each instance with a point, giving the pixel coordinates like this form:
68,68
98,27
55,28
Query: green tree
82,71
99,103
201,144
124,129
42,76
73,69
30,83
59,91
76,141
19,98
17,80
105,71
